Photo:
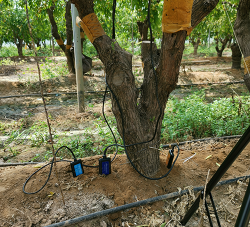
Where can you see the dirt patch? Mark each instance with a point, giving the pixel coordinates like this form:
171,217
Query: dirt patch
91,192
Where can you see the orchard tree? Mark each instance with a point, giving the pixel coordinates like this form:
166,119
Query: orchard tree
56,8
140,110
16,26
220,27
242,32
198,35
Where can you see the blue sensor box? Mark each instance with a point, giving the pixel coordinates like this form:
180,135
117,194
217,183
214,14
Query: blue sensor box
77,168
104,166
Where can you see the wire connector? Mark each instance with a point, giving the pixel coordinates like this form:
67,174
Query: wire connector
170,158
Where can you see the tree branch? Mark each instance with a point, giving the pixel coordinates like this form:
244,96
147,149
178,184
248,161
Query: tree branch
200,9
54,26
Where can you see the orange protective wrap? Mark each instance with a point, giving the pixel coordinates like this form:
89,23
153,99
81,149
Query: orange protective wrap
82,35
59,42
247,65
176,16
68,47
92,27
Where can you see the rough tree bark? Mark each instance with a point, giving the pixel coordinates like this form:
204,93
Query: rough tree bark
69,33
242,31
236,56
139,117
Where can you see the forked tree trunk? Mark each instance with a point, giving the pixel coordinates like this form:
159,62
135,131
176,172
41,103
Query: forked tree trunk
242,31
223,45
137,119
236,56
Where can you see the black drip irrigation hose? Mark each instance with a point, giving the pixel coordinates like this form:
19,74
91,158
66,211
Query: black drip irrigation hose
20,164
139,203
162,146
93,92
200,140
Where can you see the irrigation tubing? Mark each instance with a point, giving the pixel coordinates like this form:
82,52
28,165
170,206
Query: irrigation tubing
163,146
93,92
201,140
20,164
139,203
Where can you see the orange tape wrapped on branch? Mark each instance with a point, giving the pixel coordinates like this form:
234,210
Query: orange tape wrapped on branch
92,27
68,47
247,65
176,16
59,42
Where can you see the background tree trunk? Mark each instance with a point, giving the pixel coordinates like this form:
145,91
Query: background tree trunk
224,44
137,119
236,56
195,44
242,31
69,32
20,47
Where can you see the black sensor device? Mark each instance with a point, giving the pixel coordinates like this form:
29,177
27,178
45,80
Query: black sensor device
104,165
170,159
77,168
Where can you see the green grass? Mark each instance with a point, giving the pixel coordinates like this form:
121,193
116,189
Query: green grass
203,50
193,118
10,51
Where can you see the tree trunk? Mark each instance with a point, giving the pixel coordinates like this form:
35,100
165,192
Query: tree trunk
137,120
145,47
195,44
143,29
38,44
69,33
20,47
224,44
236,56
242,31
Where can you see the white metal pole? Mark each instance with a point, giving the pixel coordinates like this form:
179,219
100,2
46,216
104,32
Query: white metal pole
78,60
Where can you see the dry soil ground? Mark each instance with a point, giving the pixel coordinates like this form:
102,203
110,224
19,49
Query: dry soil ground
91,192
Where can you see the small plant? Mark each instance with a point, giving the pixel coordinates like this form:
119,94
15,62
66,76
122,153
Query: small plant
193,118
51,69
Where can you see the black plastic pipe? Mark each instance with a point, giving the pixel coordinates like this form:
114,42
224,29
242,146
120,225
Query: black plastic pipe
200,140
19,164
244,214
236,151
139,203
74,93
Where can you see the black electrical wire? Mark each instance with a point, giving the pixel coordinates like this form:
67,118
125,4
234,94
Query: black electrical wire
50,171
113,17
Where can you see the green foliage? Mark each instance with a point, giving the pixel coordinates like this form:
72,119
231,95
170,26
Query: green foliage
52,68
8,51
193,118
37,133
